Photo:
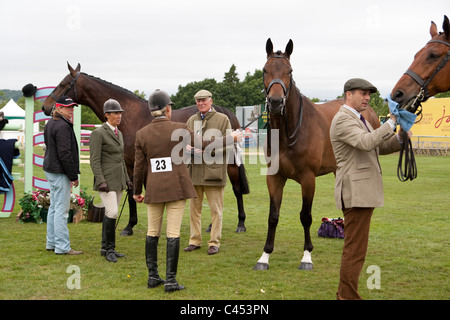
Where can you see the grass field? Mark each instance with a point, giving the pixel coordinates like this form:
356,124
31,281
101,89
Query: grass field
409,243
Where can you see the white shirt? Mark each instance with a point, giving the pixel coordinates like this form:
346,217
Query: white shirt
112,128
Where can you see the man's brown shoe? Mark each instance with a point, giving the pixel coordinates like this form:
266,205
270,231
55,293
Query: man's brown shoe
213,250
191,247
72,252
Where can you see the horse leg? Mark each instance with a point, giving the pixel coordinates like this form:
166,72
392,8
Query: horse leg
275,185
308,190
235,179
128,231
241,213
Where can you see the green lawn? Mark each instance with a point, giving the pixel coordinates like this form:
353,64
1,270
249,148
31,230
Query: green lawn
409,243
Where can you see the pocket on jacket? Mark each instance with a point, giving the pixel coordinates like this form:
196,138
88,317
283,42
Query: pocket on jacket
213,172
363,165
360,176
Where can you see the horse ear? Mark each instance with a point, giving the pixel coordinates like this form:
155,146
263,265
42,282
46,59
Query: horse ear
269,47
72,71
446,27
289,48
433,30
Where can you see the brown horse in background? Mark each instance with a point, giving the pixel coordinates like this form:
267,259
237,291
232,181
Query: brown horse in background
93,92
429,73
303,149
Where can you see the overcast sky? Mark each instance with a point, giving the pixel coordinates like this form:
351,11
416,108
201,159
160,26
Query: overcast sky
146,45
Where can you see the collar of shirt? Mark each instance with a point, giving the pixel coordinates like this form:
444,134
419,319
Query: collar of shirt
112,128
353,110
204,115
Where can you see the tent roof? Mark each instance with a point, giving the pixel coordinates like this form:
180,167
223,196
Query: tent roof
11,109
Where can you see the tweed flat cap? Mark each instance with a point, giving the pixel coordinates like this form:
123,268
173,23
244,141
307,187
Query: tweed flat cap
202,94
358,83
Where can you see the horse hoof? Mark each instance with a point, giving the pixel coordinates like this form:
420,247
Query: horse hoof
127,232
241,229
261,266
306,266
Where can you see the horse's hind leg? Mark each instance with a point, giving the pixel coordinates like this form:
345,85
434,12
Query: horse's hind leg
275,185
306,220
234,176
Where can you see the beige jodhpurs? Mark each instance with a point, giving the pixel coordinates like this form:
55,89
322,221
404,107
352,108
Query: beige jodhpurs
111,201
155,211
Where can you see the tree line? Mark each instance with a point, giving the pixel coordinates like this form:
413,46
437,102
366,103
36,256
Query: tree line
229,93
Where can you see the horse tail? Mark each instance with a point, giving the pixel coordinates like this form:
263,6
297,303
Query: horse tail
243,182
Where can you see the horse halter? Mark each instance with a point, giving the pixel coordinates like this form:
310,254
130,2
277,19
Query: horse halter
286,90
72,84
423,94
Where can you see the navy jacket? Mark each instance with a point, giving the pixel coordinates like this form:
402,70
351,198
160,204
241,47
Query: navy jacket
61,154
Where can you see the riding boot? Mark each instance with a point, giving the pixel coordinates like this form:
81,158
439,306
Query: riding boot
110,238
173,250
151,257
103,248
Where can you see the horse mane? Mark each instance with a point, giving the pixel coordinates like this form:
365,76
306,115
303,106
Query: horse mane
126,91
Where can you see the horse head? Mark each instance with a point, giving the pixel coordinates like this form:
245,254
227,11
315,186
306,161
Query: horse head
67,87
277,77
429,73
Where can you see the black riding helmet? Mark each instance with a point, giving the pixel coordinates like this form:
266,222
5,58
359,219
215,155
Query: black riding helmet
112,105
158,100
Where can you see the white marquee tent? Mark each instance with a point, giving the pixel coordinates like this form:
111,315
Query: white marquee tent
16,117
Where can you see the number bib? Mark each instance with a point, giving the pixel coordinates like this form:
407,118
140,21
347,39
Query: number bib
161,164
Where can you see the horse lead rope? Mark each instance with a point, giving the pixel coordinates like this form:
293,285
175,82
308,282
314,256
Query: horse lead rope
410,167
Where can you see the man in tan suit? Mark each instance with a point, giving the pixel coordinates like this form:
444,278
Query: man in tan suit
359,183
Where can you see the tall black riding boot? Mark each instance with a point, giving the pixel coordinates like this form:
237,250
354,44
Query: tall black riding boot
173,250
103,248
110,239
109,225
151,257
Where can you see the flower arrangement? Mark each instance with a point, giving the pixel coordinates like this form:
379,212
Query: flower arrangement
33,203
31,209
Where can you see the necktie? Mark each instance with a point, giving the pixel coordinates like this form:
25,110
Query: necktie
117,133
364,121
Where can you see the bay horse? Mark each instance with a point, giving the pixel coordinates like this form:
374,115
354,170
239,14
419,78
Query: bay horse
428,74
93,92
304,146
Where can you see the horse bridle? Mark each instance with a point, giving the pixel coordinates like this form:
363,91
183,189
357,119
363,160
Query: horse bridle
72,84
286,91
407,170
423,94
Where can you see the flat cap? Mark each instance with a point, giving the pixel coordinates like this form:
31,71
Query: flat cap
202,94
358,83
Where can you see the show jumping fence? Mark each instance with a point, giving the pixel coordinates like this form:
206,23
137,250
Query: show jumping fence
31,140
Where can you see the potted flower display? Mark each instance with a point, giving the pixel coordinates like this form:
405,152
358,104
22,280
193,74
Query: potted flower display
35,206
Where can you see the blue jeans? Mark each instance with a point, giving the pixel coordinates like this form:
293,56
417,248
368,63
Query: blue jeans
58,212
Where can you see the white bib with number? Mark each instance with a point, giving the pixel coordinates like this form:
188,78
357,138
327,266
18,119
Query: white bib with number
161,164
